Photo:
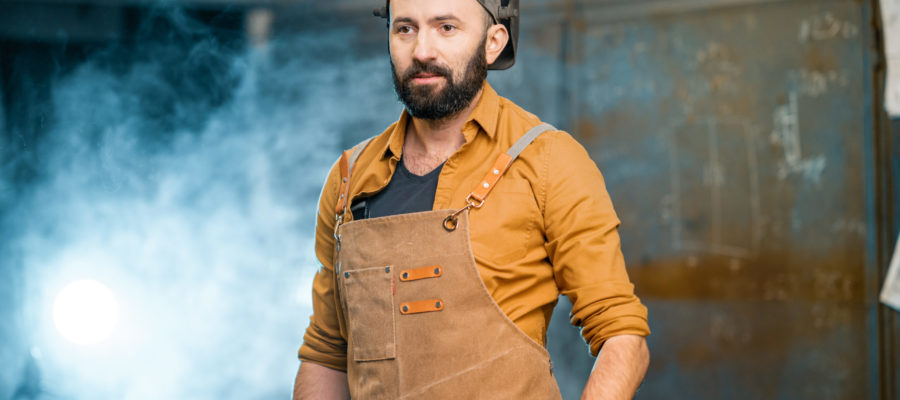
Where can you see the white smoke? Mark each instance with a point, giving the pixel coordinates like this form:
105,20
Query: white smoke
198,215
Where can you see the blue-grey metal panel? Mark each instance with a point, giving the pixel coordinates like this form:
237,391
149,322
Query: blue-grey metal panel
732,141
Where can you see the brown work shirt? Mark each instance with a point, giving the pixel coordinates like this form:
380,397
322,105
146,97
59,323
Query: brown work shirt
548,227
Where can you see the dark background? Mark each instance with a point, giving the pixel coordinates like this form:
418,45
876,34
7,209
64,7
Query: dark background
174,150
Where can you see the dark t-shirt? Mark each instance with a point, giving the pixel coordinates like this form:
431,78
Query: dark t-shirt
405,193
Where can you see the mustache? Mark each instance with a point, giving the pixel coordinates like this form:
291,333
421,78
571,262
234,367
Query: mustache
419,67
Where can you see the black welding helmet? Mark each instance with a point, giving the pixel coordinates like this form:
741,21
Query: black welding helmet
505,12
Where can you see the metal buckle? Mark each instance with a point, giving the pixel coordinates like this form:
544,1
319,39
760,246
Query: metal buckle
450,221
338,220
470,199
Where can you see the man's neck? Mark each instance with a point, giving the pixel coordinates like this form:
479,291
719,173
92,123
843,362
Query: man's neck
429,143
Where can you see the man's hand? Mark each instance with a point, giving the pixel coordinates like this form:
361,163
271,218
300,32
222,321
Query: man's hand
315,382
619,369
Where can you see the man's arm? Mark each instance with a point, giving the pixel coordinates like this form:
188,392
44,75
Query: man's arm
583,245
323,353
316,382
619,369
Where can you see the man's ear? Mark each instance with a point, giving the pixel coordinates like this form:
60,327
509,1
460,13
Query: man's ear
497,37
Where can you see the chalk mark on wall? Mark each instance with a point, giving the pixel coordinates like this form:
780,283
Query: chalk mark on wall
815,83
786,133
824,27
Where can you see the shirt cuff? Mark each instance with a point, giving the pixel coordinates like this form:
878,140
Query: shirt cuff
623,325
336,362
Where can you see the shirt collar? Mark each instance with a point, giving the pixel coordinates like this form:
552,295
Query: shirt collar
487,111
485,114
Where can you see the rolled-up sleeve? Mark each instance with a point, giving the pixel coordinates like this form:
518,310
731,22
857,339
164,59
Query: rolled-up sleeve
583,245
323,343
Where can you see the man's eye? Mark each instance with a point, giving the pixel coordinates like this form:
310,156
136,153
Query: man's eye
448,28
404,29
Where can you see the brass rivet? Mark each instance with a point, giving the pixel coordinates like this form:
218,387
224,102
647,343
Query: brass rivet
437,271
346,274
437,304
496,172
486,185
342,196
345,180
405,275
405,308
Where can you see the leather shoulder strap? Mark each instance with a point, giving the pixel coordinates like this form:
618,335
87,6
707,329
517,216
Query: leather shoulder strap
348,159
477,196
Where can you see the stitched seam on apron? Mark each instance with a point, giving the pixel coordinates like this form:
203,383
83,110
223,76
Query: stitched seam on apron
473,367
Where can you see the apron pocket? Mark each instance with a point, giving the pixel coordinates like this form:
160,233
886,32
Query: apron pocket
369,299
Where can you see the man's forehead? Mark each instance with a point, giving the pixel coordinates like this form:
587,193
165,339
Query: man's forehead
415,9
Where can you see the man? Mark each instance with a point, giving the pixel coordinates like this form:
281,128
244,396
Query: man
446,240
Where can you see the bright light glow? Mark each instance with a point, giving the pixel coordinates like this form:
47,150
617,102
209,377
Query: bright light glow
85,312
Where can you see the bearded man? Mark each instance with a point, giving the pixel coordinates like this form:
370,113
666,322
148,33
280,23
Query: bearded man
446,240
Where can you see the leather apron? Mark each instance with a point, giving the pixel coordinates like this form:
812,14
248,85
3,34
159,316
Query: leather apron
419,322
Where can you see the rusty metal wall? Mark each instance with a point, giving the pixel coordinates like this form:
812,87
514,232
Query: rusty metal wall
736,138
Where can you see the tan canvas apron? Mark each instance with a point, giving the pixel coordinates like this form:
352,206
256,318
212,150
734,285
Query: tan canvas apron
419,322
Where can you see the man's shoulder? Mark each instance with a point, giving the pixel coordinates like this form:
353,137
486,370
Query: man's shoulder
556,146
364,149
367,148
514,116
364,156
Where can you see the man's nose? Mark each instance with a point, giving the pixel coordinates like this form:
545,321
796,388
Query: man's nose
424,50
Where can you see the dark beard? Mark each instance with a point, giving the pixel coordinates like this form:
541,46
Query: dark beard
421,103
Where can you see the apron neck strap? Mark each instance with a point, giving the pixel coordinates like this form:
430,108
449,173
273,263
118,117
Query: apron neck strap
348,159
501,165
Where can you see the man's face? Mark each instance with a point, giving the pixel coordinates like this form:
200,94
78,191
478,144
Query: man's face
437,54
